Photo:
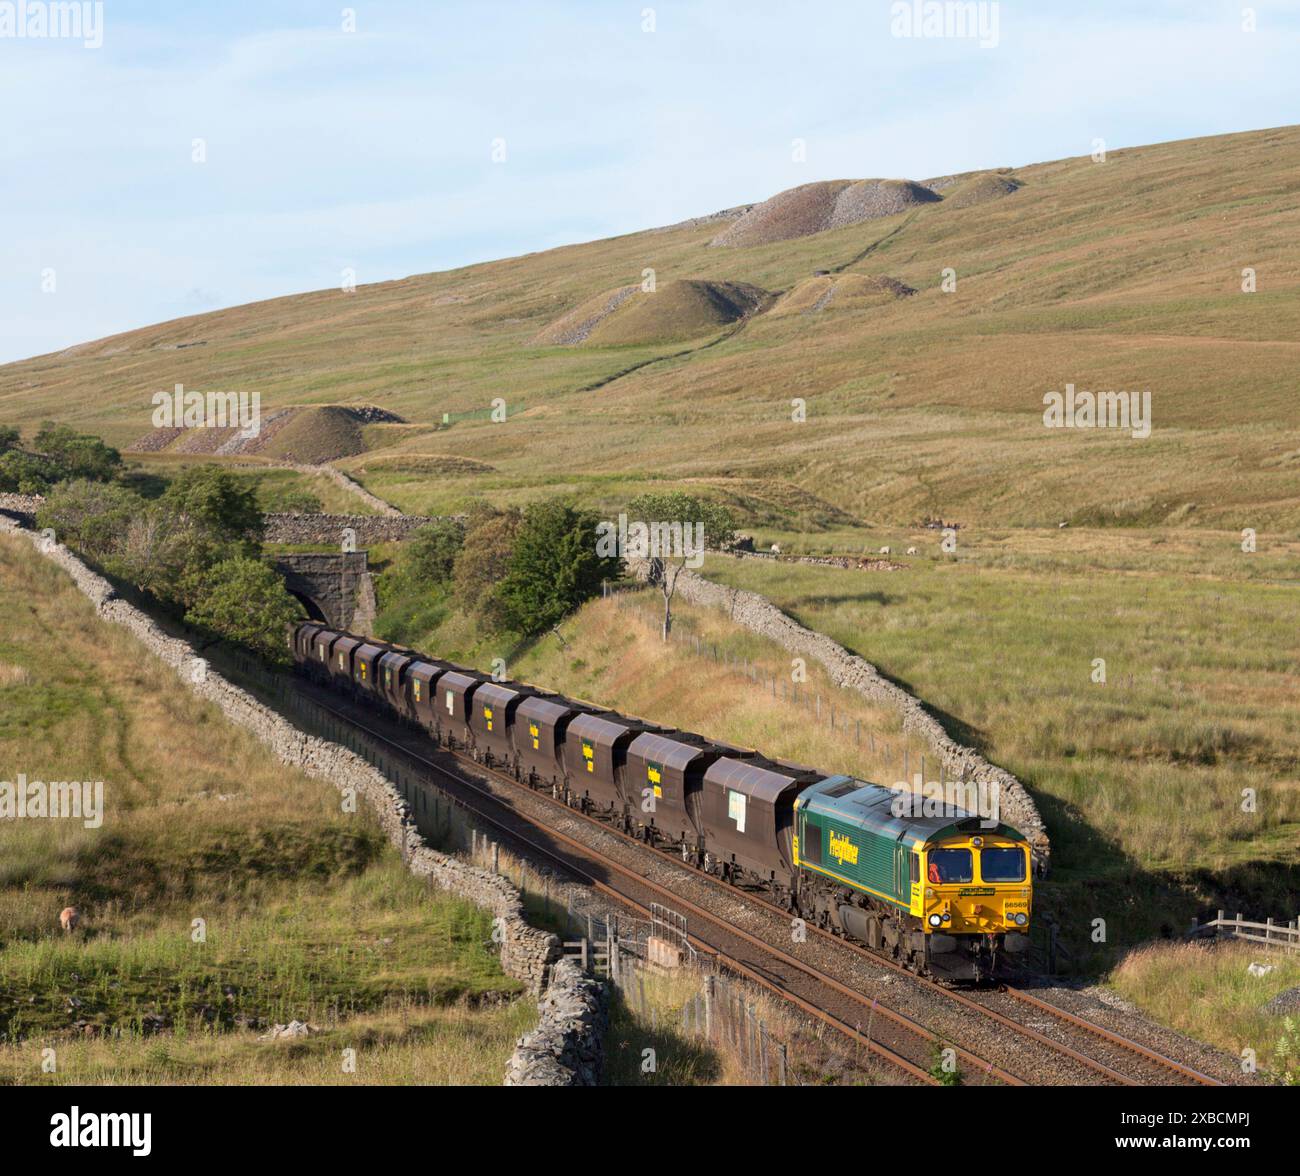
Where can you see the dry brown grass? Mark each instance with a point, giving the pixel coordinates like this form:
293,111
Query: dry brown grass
614,655
1205,990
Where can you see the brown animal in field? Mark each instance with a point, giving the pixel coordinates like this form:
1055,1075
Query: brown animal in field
69,917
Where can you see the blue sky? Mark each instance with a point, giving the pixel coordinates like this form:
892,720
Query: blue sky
372,149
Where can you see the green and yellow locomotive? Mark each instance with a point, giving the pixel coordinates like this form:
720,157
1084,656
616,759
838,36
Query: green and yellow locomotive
945,894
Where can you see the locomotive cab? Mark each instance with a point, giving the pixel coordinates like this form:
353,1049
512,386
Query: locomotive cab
973,889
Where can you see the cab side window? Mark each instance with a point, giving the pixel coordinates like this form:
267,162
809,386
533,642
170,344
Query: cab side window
915,868
810,846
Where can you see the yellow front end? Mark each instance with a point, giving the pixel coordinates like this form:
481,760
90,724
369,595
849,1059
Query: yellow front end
974,885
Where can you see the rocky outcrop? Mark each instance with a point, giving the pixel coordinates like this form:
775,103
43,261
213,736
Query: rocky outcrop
567,1033
761,616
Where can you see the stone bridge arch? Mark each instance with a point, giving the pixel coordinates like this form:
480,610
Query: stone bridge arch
336,587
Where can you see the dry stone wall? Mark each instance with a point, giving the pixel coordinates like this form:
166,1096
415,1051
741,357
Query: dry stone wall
572,1007
22,507
759,615
566,1047
288,527
341,479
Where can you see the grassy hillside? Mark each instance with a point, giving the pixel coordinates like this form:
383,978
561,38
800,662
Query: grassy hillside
308,914
1117,275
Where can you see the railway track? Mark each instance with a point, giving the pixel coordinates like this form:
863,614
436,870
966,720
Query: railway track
1086,1052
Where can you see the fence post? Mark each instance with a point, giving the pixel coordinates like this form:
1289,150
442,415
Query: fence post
708,1007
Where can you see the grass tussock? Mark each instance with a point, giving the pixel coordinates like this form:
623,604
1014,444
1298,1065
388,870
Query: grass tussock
1206,991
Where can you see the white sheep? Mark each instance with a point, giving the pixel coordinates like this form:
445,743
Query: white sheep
776,549
884,551
69,917
911,551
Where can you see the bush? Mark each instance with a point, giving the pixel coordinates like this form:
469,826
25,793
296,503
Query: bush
216,501
79,455
483,563
553,568
244,600
90,516
27,473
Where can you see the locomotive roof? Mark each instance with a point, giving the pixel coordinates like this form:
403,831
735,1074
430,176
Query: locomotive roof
871,806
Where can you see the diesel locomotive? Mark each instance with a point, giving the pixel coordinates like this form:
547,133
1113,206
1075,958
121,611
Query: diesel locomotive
945,895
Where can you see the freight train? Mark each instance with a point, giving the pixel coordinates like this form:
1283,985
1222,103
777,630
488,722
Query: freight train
945,895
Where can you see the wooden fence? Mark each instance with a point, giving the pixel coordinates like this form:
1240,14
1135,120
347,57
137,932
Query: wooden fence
1284,935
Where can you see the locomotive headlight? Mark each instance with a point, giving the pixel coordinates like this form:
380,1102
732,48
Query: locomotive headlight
1021,918
936,920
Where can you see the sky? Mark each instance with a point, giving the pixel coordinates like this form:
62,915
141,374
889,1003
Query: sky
194,155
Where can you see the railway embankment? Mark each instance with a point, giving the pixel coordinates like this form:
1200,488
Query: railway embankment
565,1047
851,672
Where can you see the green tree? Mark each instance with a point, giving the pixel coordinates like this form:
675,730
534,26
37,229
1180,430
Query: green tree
90,516
80,455
27,473
684,526
483,562
244,600
430,556
9,438
554,567
219,503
